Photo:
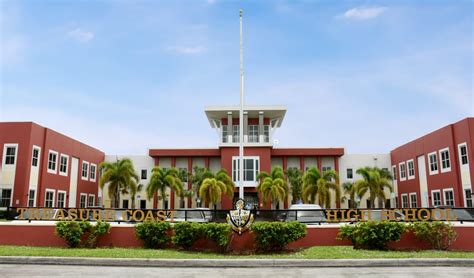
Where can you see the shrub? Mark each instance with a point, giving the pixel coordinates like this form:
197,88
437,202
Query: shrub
276,235
99,229
372,234
153,234
186,233
219,233
438,234
72,231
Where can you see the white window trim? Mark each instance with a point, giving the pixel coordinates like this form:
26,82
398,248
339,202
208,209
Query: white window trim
36,195
4,159
408,170
464,196
437,164
444,196
93,203
352,173
409,198
54,196
464,144
65,197
13,189
440,197
247,183
82,169
55,171
394,172
400,171
444,170
67,165
85,203
95,172
39,156
401,199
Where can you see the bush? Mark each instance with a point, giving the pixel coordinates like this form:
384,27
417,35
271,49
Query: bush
276,235
438,234
153,234
372,234
72,231
186,233
95,231
219,233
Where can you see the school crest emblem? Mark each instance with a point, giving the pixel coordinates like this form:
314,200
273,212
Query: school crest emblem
240,219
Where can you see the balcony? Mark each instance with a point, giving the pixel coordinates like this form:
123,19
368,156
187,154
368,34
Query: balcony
249,140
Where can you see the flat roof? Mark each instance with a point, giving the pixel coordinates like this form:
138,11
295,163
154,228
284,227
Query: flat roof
270,111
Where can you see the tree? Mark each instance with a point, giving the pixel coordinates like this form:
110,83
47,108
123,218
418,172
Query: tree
273,187
161,179
295,178
198,176
317,186
374,181
213,187
120,177
134,189
350,189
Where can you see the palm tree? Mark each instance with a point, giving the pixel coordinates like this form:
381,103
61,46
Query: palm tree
134,189
350,189
374,181
212,188
273,187
320,185
120,177
295,178
161,180
198,176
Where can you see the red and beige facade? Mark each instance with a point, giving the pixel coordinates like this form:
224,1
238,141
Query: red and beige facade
41,167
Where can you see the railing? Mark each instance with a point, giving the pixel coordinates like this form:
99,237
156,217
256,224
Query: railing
253,138
309,216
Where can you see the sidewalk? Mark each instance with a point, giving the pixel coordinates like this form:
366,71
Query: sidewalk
235,262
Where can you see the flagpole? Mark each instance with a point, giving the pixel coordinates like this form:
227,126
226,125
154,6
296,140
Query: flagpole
241,114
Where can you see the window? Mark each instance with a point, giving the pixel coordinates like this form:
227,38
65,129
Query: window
61,199
251,169
405,201
52,161
253,133
35,156
125,204
266,133
326,168
235,135
224,134
411,169
31,198
448,197
63,163
85,170
91,200
403,173
445,162
436,198
5,197
394,172
10,154
463,154
49,198
433,158
143,174
82,202
142,204
349,174
93,171
413,200
468,197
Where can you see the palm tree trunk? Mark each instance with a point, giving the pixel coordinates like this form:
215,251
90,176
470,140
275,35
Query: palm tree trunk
117,199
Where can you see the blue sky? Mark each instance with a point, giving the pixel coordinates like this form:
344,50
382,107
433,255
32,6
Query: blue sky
124,76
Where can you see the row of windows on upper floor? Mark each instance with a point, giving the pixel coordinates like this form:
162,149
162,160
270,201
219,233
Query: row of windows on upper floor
88,170
253,133
409,200
433,165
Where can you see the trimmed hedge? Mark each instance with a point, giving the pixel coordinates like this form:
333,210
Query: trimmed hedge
73,231
372,234
186,234
438,234
219,233
275,236
153,234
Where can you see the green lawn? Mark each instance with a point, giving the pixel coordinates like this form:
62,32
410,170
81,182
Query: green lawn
321,252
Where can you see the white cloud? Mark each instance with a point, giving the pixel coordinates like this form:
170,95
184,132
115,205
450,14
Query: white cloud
80,35
210,2
187,50
364,13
